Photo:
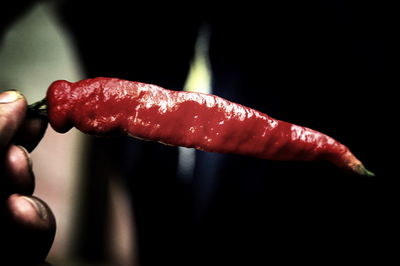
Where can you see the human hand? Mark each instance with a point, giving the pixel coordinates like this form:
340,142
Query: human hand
27,225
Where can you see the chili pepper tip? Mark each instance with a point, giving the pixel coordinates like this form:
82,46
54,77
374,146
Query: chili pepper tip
361,170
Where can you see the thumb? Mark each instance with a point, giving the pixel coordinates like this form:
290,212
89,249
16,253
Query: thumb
12,113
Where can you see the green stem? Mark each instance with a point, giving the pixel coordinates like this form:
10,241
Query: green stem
38,109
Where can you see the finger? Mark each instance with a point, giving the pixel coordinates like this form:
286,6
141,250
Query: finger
12,113
18,175
27,231
30,133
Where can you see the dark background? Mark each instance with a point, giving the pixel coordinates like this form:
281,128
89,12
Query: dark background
325,65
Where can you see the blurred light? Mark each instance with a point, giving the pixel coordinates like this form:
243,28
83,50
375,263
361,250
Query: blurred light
199,80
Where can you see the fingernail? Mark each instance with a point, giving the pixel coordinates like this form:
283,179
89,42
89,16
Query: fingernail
10,96
40,209
27,156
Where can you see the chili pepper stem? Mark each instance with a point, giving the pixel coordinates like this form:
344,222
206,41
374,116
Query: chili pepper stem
38,109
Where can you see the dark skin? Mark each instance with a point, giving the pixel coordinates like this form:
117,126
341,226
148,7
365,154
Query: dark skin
27,225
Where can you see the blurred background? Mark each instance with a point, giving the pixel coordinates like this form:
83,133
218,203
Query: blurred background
325,65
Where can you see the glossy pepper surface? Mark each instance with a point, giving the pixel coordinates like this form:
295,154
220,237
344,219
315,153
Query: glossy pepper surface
111,106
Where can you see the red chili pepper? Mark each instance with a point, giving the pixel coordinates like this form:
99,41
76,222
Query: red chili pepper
110,106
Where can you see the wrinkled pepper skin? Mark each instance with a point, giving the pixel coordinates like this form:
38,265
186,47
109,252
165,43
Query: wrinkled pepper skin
110,106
